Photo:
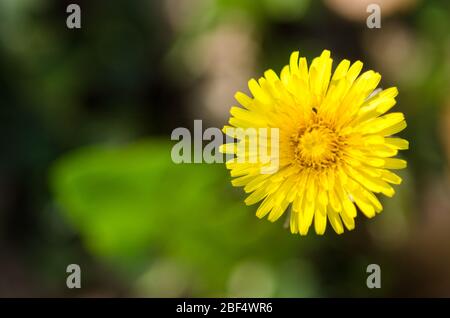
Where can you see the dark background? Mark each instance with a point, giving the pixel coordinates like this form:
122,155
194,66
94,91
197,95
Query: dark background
85,170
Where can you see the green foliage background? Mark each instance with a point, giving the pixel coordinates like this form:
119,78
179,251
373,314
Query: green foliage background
85,170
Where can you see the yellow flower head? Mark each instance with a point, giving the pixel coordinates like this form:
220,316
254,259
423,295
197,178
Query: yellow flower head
334,146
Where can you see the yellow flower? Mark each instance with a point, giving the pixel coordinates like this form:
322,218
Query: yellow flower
335,147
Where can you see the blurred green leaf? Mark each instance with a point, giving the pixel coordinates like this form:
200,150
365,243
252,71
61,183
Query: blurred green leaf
132,204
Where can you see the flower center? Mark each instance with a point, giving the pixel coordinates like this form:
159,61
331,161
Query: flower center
316,146
313,144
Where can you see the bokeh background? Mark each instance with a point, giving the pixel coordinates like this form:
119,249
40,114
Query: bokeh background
85,169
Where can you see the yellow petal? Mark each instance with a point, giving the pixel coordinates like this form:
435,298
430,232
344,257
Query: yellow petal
335,221
341,70
398,143
243,99
362,202
278,211
265,207
294,222
390,177
257,196
354,71
258,92
293,63
349,221
320,220
306,217
394,163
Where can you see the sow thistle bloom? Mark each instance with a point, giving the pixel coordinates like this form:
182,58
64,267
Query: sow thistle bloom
335,148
